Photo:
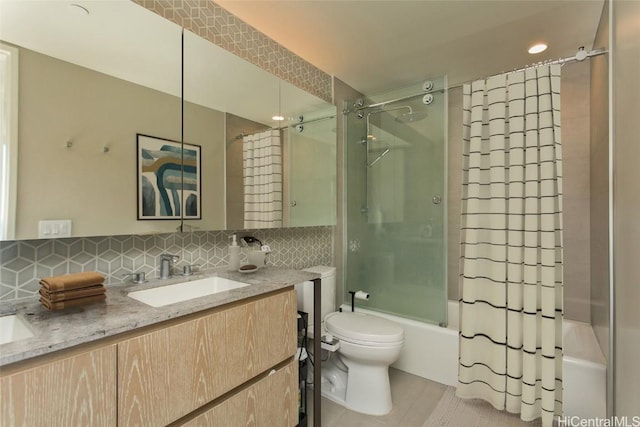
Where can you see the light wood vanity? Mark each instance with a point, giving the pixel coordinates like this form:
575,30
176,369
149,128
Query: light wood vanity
223,366
76,390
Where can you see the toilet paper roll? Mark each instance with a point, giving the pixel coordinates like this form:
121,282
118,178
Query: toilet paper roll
362,295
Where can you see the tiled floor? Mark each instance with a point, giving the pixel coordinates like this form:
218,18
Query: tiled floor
414,398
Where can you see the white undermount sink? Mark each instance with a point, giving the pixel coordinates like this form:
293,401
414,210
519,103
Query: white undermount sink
13,328
171,294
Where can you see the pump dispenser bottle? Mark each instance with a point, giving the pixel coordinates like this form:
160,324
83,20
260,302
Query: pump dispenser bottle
234,254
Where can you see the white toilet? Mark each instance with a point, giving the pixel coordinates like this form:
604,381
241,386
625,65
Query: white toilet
357,375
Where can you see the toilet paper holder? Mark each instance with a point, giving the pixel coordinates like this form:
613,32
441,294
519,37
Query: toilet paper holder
360,295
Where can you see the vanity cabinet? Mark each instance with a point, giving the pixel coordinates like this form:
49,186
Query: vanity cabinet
166,374
78,390
215,364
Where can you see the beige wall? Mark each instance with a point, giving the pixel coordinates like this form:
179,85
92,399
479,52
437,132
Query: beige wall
625,54
97,190
205,127
575,140
575,176
599,186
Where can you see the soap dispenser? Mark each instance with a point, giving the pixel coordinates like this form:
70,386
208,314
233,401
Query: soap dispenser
234,254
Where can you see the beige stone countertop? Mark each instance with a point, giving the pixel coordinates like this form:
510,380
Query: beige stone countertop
58,330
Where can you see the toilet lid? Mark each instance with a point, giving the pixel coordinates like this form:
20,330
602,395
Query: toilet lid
363,327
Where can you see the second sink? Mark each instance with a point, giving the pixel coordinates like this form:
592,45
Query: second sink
171,294
13,328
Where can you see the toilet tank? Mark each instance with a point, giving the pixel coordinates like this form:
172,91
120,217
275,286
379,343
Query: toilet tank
328,293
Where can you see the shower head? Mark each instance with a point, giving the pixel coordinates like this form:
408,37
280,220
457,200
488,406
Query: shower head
411,116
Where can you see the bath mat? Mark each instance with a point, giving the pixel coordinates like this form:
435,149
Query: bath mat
452,411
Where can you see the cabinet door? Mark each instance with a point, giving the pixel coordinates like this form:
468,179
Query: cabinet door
260,335
166,374
270,402
76,391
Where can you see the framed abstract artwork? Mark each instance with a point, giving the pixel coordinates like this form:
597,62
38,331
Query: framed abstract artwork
169,179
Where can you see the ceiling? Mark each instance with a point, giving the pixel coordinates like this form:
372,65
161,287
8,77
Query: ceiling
377,46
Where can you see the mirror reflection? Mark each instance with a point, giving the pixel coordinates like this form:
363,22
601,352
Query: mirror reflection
262,159
83,99
88,83
310,194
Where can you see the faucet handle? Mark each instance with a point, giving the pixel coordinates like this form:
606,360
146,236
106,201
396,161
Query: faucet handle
139,277
187,270
169,257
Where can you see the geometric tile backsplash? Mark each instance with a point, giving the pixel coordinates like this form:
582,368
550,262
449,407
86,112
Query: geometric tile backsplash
23,263
217,25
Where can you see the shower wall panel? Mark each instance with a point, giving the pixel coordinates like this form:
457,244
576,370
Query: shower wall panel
396,205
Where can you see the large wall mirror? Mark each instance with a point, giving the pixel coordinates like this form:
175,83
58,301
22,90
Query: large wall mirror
91,79
275,162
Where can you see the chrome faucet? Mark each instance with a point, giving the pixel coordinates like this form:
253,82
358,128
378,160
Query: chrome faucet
166,261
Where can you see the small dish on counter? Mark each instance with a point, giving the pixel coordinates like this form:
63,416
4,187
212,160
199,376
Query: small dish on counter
248,268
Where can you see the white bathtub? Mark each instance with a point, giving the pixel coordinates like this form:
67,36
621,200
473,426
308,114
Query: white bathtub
584,372
429,351
432,352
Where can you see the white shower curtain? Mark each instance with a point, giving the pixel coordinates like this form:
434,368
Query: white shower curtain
262,175
511,264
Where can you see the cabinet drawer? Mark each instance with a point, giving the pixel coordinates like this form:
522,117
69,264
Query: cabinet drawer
166,374
76,391
258,336
270,402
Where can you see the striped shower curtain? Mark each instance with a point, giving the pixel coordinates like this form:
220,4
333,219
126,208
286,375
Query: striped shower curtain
262,176
511,264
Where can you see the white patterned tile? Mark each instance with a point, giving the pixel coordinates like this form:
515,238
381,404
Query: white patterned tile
53,261
24,263
17,264
8,251
7,292
229,32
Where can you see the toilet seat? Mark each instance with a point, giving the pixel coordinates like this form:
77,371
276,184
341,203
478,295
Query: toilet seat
364,329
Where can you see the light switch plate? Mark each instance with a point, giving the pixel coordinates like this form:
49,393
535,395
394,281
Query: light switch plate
54,229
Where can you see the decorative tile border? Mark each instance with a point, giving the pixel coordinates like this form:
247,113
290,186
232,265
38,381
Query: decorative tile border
211,22
23,263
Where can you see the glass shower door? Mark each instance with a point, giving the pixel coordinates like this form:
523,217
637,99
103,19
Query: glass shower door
311,184
396,212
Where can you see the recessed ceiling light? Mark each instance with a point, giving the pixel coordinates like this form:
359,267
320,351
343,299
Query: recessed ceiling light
537,48
78,9
277,118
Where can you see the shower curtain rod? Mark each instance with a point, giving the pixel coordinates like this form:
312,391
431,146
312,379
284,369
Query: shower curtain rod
241,135
579,56
380,104
304,122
